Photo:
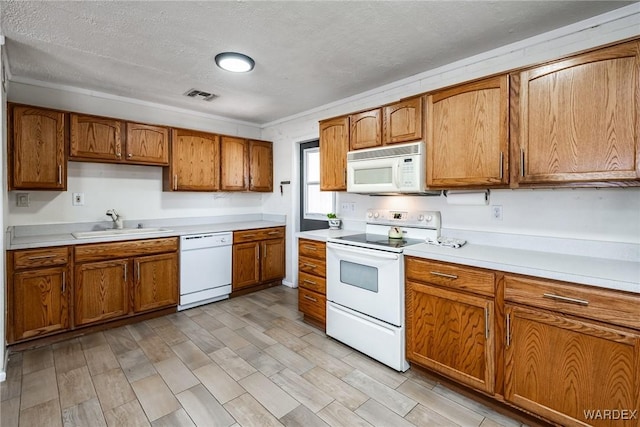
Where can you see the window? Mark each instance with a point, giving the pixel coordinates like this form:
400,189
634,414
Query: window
314,204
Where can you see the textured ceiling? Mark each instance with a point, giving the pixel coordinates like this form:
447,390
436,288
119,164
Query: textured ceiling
307,53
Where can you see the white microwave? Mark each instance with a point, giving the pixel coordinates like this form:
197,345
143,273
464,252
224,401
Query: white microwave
387,170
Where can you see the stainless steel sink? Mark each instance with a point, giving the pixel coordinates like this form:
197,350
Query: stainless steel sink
115,232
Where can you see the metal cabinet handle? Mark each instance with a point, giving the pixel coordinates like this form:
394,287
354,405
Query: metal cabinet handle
310,248
118,154
311,282
59,174
271,233
501,165
129,155
33,258
125,272
258,253
306,264
175,181
137,268
566,299
521,162
310,298
508,329
64,281
448,276
248,235
486,323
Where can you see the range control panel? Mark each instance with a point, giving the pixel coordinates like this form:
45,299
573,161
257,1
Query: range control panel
419,219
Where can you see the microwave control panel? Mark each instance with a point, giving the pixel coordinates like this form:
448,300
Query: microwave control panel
407,173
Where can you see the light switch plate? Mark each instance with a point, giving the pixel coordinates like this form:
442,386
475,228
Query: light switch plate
22,200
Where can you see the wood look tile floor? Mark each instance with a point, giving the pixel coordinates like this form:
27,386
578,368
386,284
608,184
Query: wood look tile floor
248,361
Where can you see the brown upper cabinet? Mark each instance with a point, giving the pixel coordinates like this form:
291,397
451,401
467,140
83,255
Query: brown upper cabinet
577,120
245,165
366,129
195,162
334,145
402,121
95,138
234,162
468,134
37,139
147,144
103,139
260,166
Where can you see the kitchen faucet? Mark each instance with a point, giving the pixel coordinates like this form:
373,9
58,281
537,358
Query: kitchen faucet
115,217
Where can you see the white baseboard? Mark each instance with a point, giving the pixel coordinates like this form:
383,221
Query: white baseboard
289,284
3,374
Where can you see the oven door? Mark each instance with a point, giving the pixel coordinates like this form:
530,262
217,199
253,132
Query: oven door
366,280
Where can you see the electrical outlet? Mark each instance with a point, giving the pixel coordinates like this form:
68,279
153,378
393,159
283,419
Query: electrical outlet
22,200
78,199
347,208
496,212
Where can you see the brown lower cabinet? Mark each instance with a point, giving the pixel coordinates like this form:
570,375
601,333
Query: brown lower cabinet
312,281
58,289
449,327
258,257
562,362
114,280
38,291
566,353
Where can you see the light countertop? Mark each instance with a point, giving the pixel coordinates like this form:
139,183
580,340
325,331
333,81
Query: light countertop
608,273
64,237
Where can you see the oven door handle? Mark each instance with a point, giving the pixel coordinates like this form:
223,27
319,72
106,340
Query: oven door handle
360,251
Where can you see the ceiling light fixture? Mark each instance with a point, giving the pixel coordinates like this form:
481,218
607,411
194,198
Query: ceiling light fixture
234,62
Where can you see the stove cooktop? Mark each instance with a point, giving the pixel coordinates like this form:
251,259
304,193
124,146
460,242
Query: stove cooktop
377,240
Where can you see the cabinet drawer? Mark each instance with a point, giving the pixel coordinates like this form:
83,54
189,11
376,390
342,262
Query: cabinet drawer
312,283
312,304
258,234
105,251
605,305
44,257
451,276
316,267
312,249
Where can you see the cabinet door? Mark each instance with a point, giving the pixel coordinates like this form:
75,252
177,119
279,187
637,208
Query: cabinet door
195,162
334,145
155,282
468,134
402,121
451,333
95,138
366,129
566,369
40,302
234,162
101,291
147,144
272,259
578,118
246,265
260,166
37,149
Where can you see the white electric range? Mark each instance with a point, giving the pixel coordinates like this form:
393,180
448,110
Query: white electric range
365,283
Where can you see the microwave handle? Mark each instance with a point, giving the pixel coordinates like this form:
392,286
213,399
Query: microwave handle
396,176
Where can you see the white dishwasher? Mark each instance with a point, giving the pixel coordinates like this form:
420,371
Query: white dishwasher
205,268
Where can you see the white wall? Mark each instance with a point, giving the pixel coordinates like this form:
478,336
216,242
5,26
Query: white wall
593,214
134,191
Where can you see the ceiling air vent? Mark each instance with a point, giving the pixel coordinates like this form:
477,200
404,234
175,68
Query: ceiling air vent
205,96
